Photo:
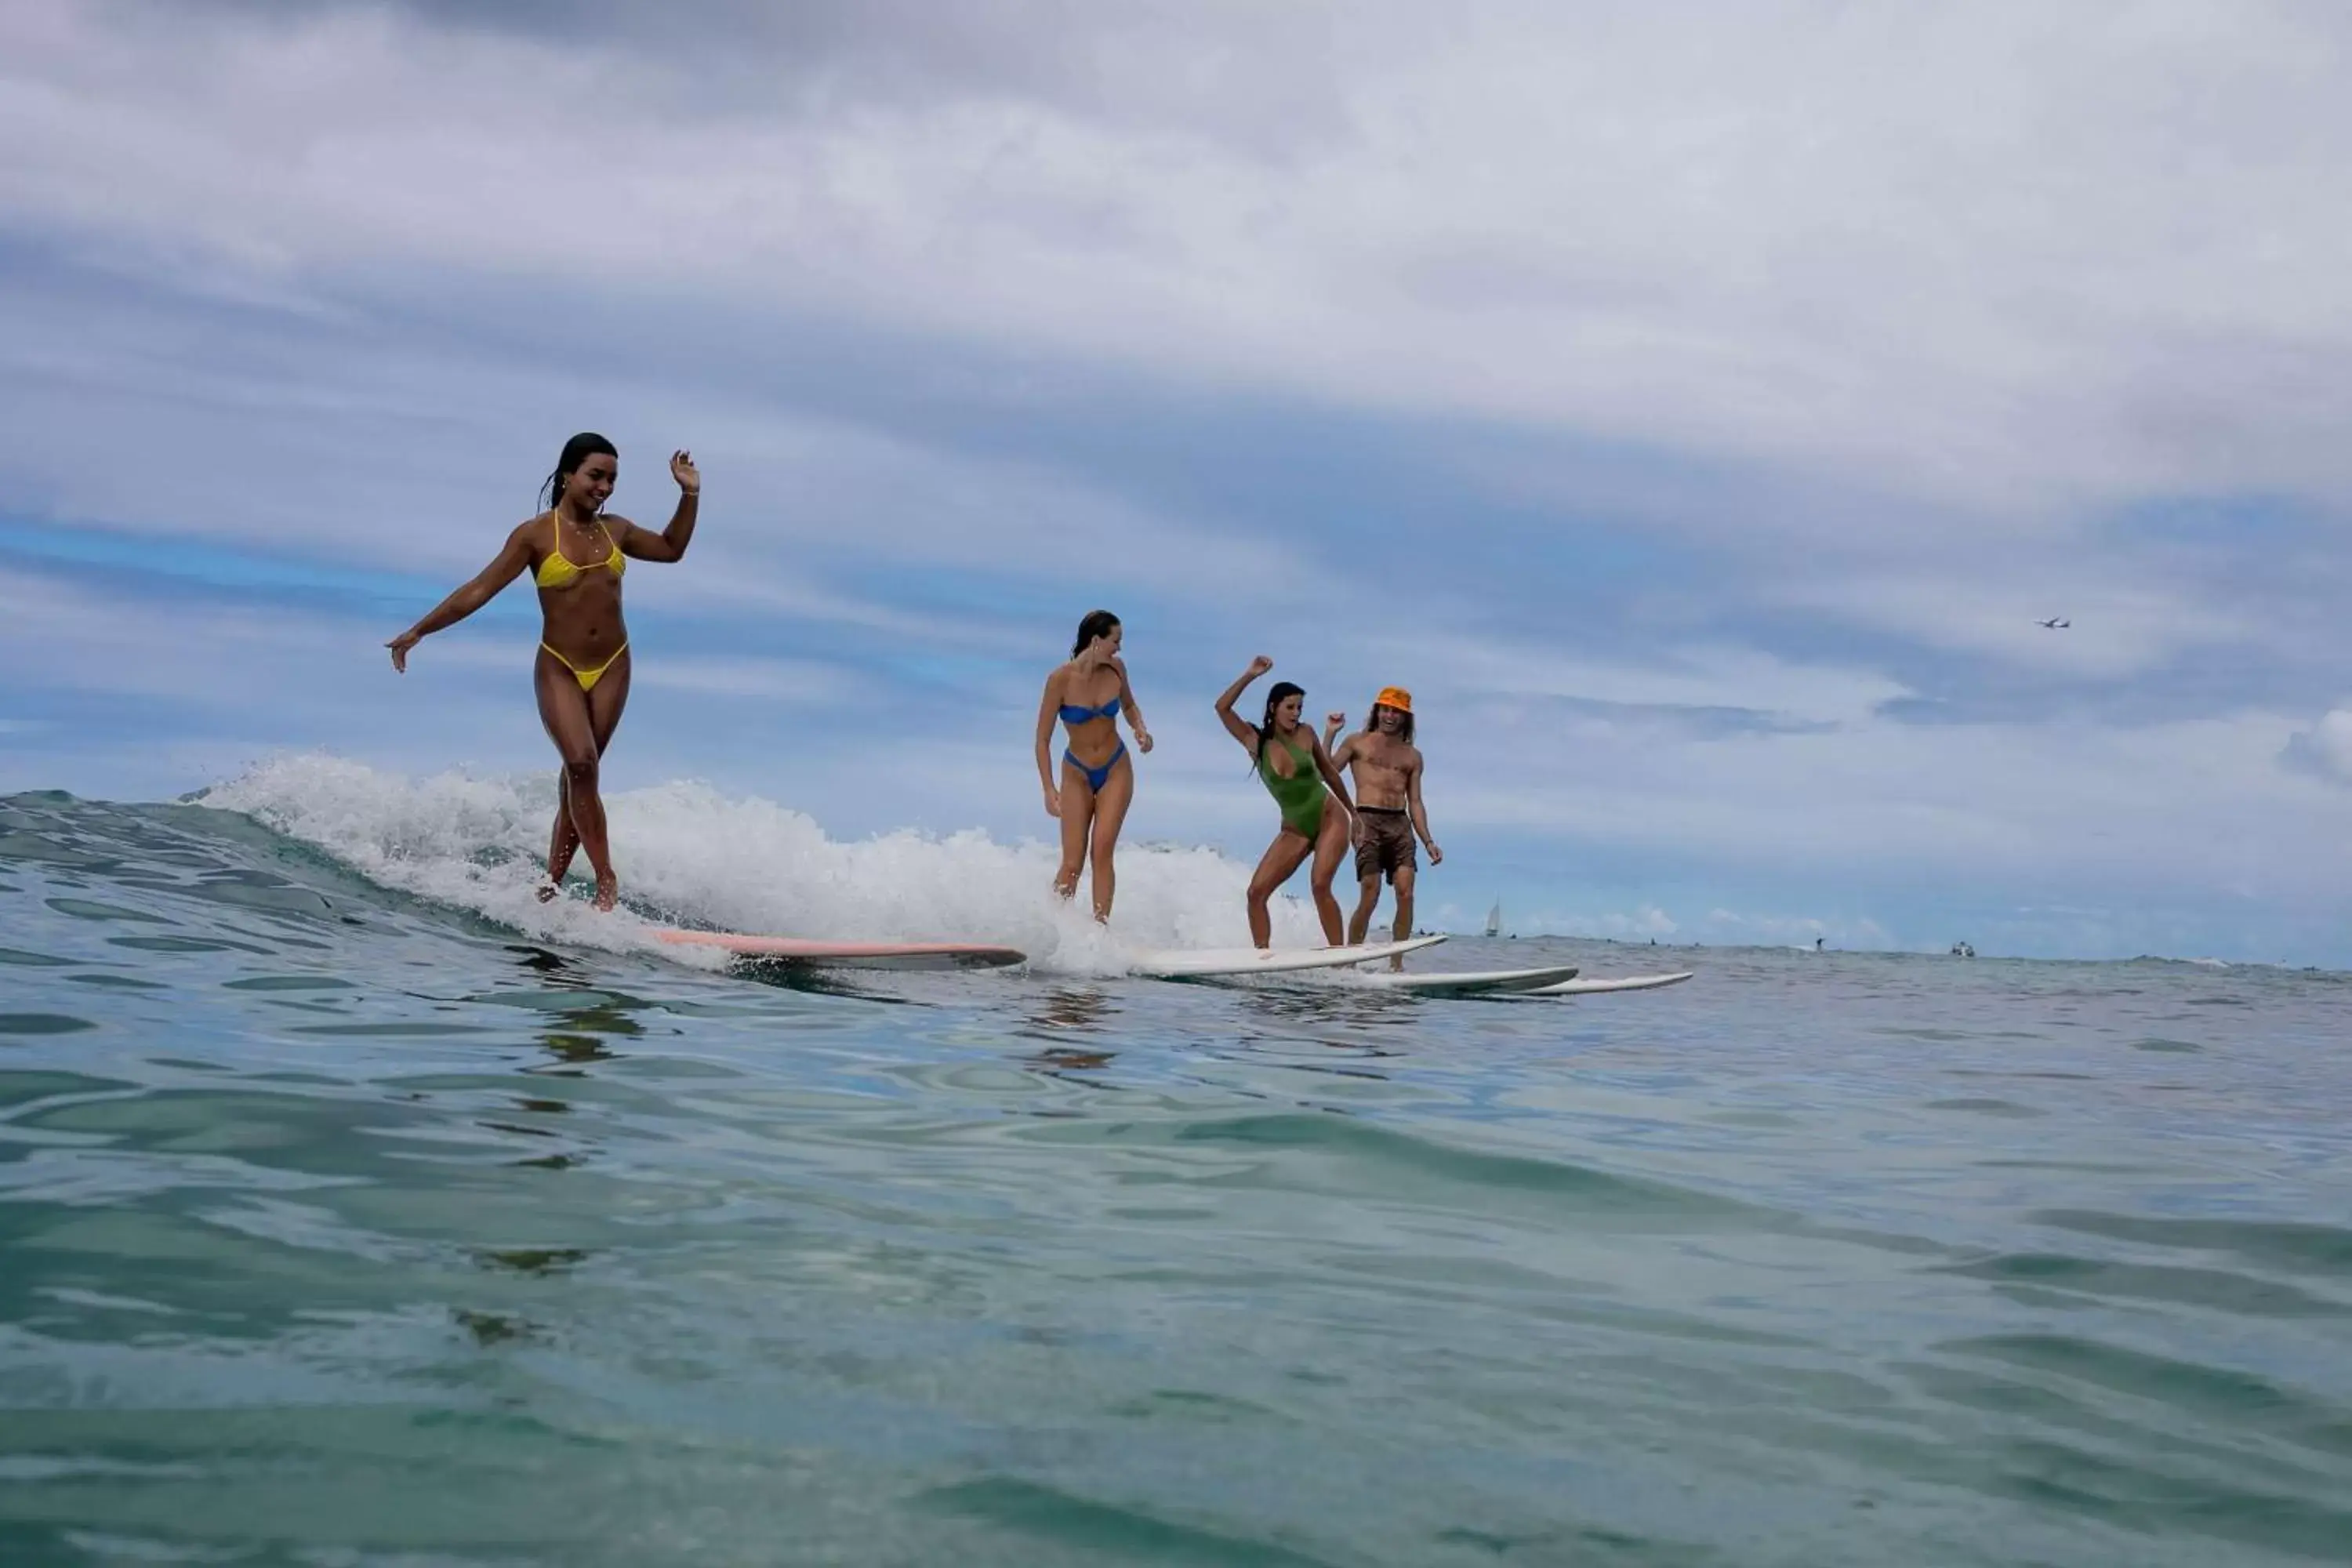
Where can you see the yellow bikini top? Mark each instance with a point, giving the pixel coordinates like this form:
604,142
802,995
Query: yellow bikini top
557,570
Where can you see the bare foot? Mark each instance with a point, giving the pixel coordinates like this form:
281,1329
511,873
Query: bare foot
547,891
608,892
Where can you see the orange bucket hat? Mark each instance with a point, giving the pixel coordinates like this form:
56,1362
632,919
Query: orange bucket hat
1395,696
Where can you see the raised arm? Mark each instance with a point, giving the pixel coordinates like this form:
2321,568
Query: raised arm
1332,723
1049,709
1134,714
1419,812
1235,725
504,568
670,543
1331,773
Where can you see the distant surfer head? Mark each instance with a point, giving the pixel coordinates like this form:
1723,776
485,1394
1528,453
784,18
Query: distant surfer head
1098,624
1393,713
1282,706
589,467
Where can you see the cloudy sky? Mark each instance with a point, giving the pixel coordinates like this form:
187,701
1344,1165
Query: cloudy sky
1695,406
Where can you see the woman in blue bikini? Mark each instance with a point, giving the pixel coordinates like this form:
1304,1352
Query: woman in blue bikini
1097,777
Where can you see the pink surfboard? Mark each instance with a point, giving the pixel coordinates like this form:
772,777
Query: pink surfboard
851,955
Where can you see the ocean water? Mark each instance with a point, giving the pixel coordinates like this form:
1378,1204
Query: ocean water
356,1209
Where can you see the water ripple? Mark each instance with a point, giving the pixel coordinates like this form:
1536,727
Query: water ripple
339,1226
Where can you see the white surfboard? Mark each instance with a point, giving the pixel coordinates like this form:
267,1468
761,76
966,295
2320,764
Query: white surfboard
851,955
1623,983
1203,963
1467,982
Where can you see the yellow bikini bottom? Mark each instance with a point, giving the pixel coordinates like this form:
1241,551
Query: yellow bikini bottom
586,678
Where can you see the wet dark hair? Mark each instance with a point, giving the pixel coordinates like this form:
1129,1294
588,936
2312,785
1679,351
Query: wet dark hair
1282,693
1098,624
1404,731
577,451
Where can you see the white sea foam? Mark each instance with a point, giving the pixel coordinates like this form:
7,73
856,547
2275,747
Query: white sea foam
686,854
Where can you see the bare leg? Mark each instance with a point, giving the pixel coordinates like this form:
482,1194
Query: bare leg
1368,899
1404,910
580,723
1078,823
604,705
1111,813
562,842
1282,857
1331,849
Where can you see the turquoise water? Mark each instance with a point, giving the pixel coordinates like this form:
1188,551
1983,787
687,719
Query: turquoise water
340,1224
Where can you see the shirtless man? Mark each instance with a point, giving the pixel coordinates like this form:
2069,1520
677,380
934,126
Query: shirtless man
1386,769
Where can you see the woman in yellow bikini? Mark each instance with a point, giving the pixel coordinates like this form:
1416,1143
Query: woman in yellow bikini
576,555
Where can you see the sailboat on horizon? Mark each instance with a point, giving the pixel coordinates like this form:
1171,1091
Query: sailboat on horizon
1494,919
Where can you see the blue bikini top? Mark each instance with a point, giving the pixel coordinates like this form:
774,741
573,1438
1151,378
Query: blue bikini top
1073,714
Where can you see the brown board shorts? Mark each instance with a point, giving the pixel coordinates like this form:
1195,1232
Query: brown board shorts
1384,843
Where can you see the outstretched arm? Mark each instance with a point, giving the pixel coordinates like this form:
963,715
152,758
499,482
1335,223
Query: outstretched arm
1331,774
1134,714
503,569
1235,725
670,543
1419,812
1049,709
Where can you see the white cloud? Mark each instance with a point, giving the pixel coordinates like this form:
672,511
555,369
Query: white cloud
2020,255
1799,931
368,451
797,681
57,636
2177,810
1642,923
2324,750
1502,670
1718,927
1992,609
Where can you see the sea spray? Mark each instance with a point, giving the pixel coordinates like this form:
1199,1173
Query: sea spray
689,854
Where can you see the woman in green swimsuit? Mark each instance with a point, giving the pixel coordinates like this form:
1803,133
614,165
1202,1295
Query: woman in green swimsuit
1296,769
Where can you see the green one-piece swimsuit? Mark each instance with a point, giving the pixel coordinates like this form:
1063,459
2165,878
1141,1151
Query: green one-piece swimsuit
1299,796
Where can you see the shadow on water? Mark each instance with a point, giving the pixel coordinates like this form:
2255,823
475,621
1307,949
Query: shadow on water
1358,1007
581,1040
808,981
588,1015
1065,1010
573,1052
1326,1020
553,965
1068,1066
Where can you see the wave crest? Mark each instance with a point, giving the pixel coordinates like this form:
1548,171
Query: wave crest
687,854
